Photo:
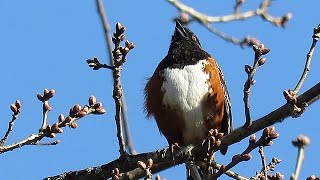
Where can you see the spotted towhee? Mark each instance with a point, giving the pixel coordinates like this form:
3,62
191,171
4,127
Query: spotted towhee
187,94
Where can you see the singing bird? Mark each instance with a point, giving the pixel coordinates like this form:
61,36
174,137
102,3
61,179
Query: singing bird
187,94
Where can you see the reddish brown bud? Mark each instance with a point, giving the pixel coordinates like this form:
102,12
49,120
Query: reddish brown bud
119,28
50,94
142,165
18,104
129,45
55,129
40,97
48,129
73,125
301,141
252,139
236,157
246,157
184,18
76,109
14,109
82,114
45,92
60,118
68,119
100,111
97,105
247,69
92,100
261,61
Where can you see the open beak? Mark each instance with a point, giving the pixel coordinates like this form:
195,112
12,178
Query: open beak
179,31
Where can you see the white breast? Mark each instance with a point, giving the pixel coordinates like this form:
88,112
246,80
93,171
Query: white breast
184,90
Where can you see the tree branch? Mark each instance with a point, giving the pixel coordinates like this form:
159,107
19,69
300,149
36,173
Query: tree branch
160,163
107,33
315,38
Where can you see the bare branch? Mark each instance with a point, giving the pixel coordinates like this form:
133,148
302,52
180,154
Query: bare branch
259,50
163,162
265,140
269,167
205,20
229,172
315,38
50,131
300,142
44,98
15,108
108,40
263,162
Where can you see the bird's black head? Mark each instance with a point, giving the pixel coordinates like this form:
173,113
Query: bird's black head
184,34
185,49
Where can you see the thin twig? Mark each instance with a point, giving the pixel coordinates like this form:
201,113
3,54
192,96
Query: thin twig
15,108
106,29
247,41
229,173
205,20
223,35
75,114
237,5
300,142
263,161
300,157
315,38
107,34
10,128
269,167
45,111
217,19
258,61
265,140
47,144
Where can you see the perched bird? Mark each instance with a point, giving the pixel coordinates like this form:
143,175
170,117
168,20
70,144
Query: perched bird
187,94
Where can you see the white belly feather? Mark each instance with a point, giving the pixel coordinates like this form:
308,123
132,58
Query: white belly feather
184,90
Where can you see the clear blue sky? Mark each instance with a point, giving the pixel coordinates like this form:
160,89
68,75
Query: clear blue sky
44,44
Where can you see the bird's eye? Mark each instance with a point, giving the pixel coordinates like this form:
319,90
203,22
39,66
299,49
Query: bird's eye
194,38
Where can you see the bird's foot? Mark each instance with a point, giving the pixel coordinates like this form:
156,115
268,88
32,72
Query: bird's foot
172,148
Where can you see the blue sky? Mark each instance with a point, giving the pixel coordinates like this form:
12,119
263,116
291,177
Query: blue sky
44,44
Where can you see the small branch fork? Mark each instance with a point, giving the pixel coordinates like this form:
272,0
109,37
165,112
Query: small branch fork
119,57
205,20
291,95
46,130
259,50
15,108
270,167
265,140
